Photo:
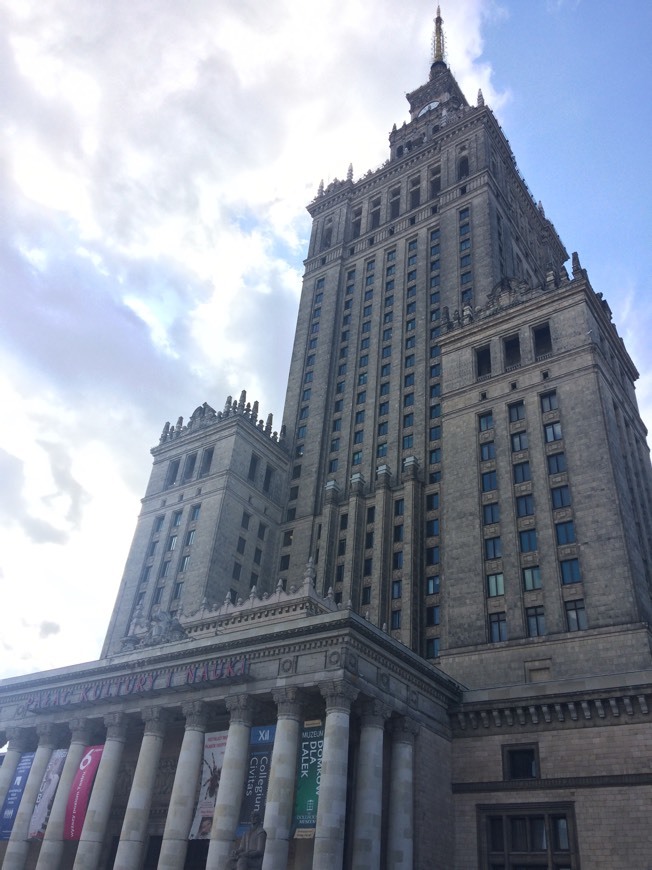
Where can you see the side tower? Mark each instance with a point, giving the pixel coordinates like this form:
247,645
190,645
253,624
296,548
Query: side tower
403,267
209,522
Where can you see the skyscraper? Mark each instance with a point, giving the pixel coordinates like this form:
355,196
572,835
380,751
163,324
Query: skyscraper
461,480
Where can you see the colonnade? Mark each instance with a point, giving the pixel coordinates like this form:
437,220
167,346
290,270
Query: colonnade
331,810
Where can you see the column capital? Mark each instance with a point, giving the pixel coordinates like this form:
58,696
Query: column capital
18,738
79,730
374,712
195,713
240,707
116,726
155,719
45,731
288,702
338,695
404,730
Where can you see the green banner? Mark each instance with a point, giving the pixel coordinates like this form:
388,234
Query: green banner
311,750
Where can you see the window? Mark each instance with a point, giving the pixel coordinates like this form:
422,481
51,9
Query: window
165,569
341,547
158,594
519,441
381,449
408,442
432,555
387,333
495,585
487,451
432,615
489,481
172,472
194,513
525,505
301,432
367,566
528,540
483,361
516,412
158,525
394,203
189,467
395,620
560,497
434,433
296,472
262,530
522,472
512,349
397,560
552,432
570,571
542,341
356,459
432,501
237,570
287,538
396,588
432,528
386,352
359,417
485,421
497,627
408,380
536,836
399,507
332,466
432,585
520,762
383,409
435,391
385,370
176,519
241,544
341,369
556,463
335,444
383,428
284,562
409,361
536,621
492,548
432,647
408,400
369,540
363,361
549,402
172,542
435,412
408,420
576,615
532,578
183,565
258,554
358,436
491,513
565,533
366,595
269,474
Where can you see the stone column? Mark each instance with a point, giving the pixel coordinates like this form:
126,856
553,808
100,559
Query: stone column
134,827
18,843
232,781
282,775
17,745
184,789
99,805
52,845
331,809
401,796
369,788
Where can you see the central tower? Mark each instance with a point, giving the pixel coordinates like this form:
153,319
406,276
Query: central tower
436,302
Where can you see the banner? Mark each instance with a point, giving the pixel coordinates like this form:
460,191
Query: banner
46,794
261,743
14,795
311,750
80,792
214,746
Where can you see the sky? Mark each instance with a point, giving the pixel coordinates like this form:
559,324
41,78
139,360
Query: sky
156,159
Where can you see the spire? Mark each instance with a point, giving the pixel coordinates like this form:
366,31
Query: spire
438,39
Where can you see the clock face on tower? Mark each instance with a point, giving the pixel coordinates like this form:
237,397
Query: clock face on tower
432,105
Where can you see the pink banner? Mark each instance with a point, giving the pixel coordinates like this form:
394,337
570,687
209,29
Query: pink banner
80,792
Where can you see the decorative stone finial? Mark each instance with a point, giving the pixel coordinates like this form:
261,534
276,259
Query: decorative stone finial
268,424
320,189
254,412
349,173
480,97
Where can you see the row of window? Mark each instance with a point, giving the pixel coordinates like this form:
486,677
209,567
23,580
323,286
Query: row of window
511,351
535,622
190,469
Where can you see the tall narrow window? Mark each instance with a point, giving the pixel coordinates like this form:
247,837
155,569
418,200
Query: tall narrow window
542,341
206,460
253,467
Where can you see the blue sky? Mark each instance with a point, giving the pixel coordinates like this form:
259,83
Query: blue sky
155,164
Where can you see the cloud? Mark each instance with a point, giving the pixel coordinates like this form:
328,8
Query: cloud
47,628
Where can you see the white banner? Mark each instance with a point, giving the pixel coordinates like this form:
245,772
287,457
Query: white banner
214,746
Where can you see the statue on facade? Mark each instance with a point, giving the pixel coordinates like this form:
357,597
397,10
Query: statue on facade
248,854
